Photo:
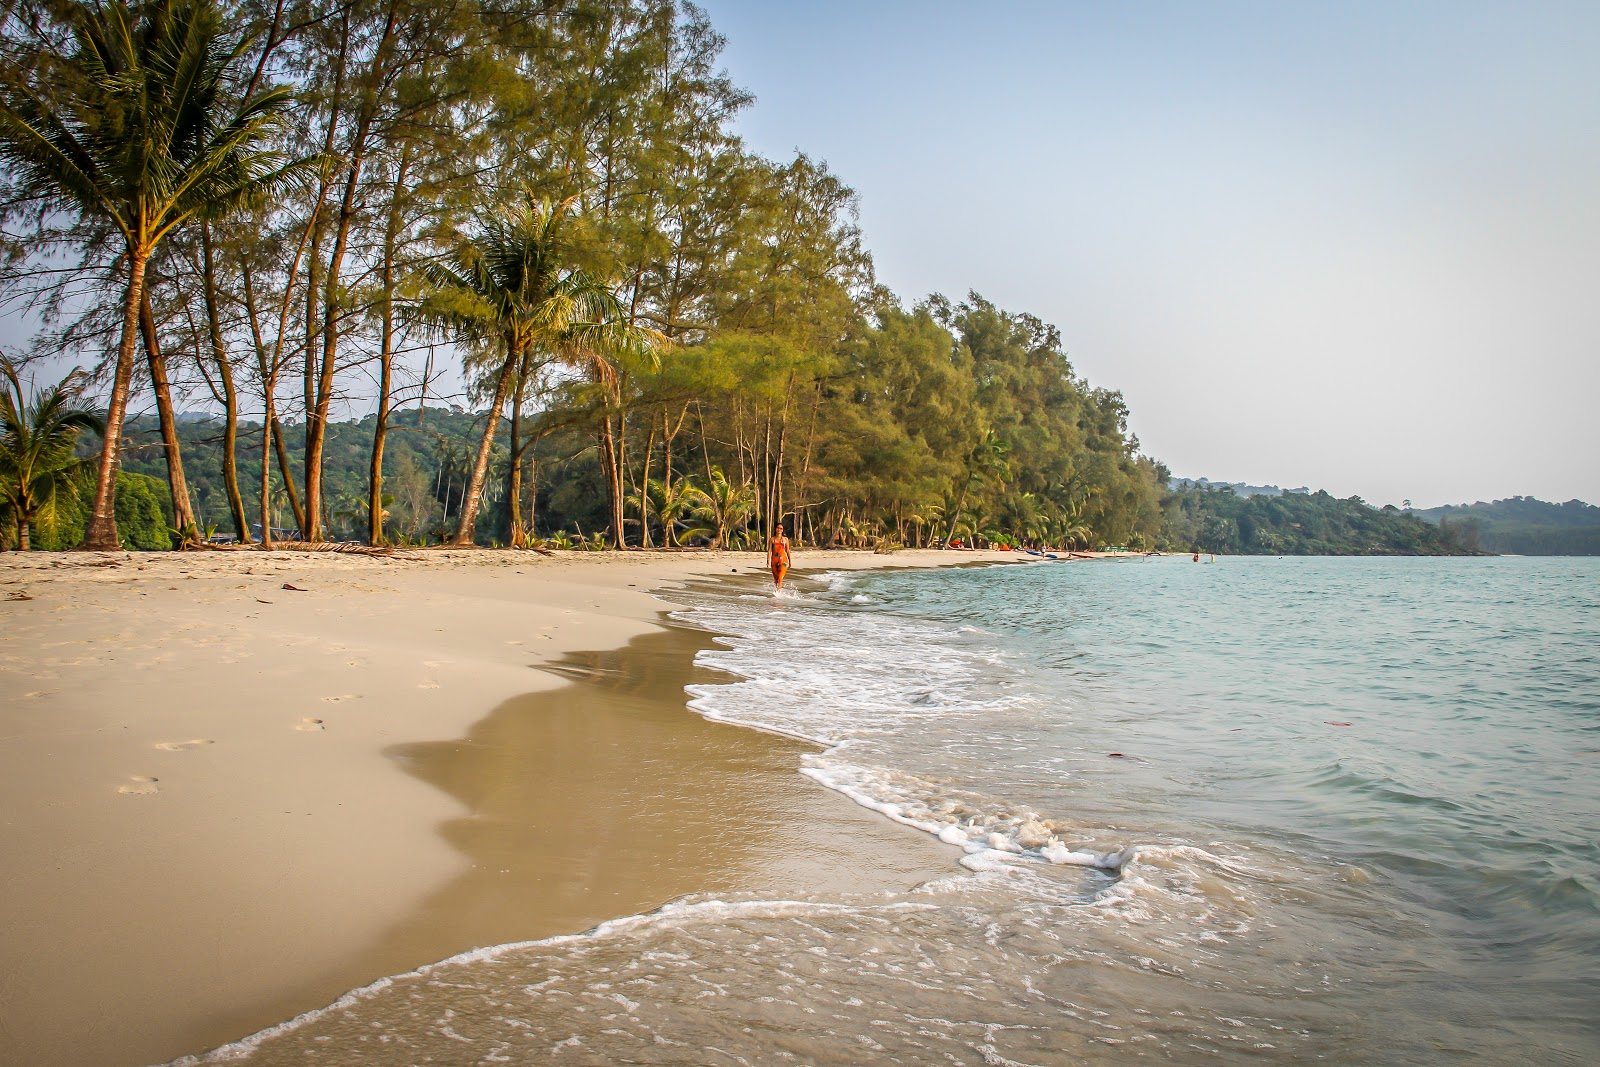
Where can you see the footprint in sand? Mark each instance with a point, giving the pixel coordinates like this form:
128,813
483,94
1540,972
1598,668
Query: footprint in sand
356,663
182,746
341,698
430,684
433,663
139,785
309,725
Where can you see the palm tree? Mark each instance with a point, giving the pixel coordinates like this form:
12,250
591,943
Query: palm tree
37,443
986,460
129,124
667,503
515,289
722,507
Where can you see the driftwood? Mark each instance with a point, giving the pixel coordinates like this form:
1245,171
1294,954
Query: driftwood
352,547
349,547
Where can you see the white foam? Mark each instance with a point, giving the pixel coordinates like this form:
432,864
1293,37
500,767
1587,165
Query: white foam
677,912
847,677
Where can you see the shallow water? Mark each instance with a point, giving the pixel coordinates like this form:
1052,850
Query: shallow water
1341,810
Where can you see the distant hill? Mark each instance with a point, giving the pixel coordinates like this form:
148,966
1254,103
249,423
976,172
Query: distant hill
1522,525
1239,488
1215,517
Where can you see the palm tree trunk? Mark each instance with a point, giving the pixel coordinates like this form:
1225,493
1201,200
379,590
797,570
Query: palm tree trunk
101,536
611,460
182,512
480,466
955,515
518,536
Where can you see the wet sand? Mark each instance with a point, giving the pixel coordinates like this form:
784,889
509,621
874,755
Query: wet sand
226,801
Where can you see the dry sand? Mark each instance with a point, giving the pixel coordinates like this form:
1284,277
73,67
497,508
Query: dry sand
224,801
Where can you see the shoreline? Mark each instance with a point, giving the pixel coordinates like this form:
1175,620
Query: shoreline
208,829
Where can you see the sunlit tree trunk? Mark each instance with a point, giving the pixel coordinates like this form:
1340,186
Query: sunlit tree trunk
101,535
480,466
230,396
182,511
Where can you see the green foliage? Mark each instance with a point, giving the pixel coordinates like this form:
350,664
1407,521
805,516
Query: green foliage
143,509
1301,524
1522,525
39,472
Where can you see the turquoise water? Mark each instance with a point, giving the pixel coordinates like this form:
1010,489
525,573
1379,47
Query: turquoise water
1341,811
1467,781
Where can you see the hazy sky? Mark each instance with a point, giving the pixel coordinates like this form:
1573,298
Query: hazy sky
1355,246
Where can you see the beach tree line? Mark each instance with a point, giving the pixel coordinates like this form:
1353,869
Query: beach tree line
498,273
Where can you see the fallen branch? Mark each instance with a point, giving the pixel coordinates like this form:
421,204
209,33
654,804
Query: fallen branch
352,547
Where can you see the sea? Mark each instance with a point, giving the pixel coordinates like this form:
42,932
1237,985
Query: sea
1297,810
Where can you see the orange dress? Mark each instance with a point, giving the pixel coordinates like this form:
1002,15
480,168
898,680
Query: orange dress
780,561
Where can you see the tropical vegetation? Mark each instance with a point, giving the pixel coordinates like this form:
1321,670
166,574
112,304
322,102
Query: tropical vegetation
1211,518
503,273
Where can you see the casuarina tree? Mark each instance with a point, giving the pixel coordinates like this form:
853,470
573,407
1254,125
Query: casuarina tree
129,119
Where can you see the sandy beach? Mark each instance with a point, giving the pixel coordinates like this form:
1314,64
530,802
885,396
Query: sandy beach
237,784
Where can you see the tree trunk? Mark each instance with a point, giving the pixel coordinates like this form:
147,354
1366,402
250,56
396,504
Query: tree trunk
391,233
777,474
480,466
608,467
955,516
101,536
317,429
644,495
380,431
288,477
519,538
230,397
705,446
182,511
313,283
533,486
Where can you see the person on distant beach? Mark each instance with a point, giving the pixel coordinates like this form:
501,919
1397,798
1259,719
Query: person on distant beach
778,557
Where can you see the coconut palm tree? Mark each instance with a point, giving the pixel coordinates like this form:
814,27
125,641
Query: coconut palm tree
128,123
37,446
518,288
986,461
668,503
721,507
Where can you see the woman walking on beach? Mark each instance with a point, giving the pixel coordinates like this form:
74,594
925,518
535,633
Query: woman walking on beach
778,556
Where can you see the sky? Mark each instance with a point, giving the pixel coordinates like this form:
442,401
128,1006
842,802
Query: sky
1352,246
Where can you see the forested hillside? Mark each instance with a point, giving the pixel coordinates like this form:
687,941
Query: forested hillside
1300,524
1523,526
664,336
